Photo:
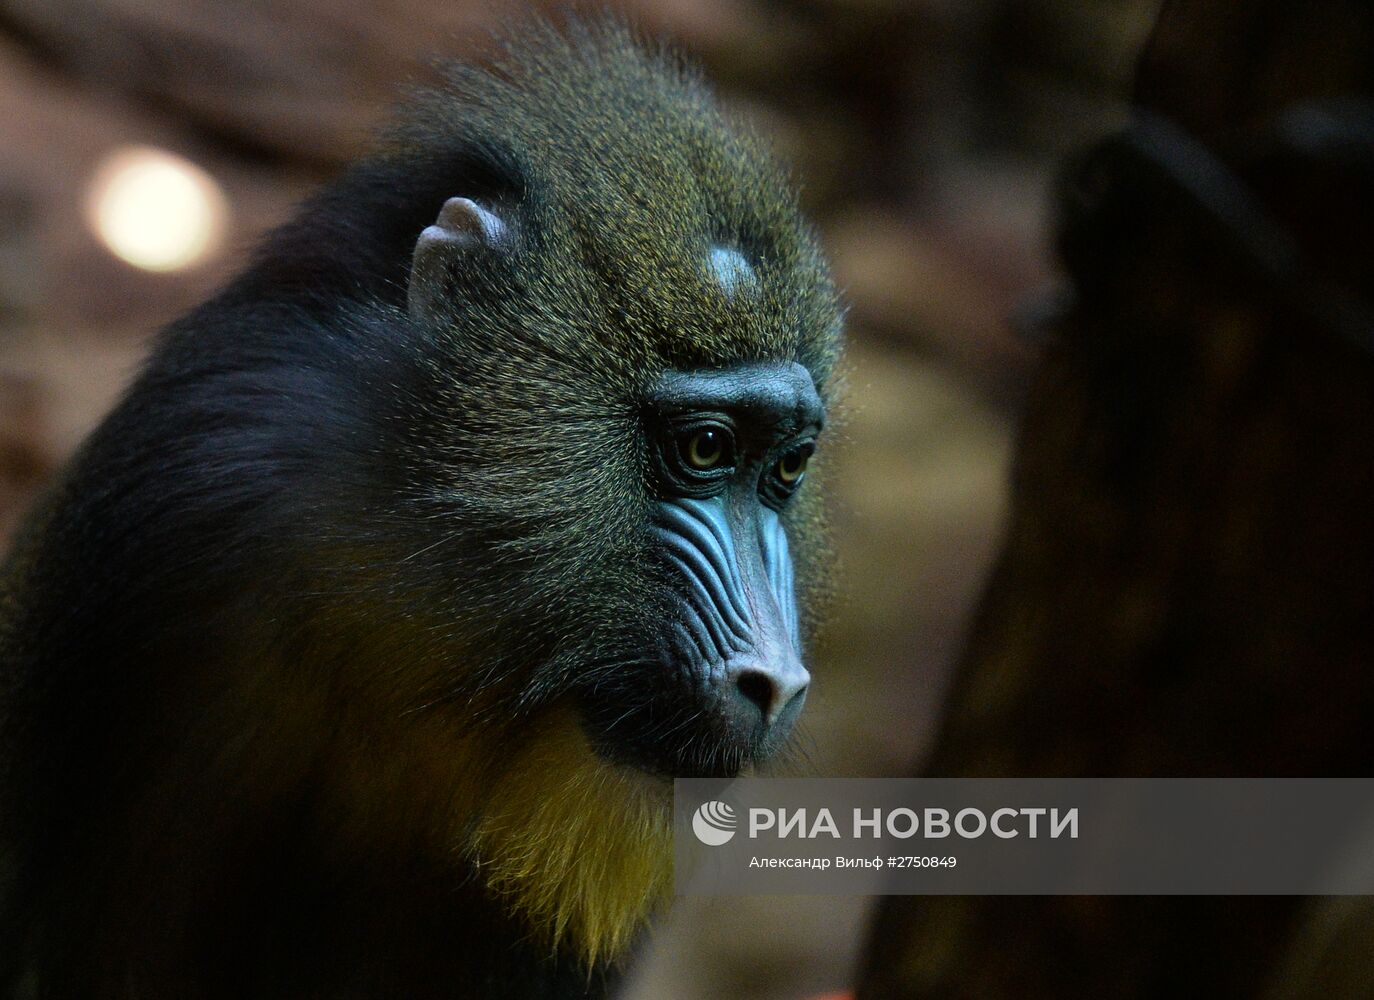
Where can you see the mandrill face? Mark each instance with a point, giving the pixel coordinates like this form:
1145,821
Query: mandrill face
724,681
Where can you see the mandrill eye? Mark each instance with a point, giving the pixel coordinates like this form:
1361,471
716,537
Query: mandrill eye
696,460
706,449
786,475
792,465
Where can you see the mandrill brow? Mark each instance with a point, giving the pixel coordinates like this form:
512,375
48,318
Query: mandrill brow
353,654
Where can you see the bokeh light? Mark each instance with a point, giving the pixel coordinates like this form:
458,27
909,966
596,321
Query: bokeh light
156,210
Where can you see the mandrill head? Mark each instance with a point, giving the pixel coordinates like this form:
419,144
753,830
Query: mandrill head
627,335
597,368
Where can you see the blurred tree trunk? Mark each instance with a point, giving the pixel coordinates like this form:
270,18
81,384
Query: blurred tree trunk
1185,589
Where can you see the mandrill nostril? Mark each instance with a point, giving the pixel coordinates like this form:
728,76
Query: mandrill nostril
758,688
767,701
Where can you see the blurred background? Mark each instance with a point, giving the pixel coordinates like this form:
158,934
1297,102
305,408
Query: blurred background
146,144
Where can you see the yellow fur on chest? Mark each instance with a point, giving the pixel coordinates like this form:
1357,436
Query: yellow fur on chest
578,847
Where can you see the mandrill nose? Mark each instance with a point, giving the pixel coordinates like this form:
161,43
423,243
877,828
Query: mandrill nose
768,696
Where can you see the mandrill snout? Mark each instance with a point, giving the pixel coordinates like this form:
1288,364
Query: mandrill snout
736,629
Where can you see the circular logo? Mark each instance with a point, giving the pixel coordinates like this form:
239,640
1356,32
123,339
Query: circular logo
714,823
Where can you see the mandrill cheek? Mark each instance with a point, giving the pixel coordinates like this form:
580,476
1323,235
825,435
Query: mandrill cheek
736,623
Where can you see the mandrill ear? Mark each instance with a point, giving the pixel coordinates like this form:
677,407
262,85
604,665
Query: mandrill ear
462,225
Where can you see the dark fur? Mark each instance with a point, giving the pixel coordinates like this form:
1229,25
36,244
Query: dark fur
313,526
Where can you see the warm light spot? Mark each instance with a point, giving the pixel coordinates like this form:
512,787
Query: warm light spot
156,210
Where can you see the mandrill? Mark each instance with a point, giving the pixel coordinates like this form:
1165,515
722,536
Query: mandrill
354,653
